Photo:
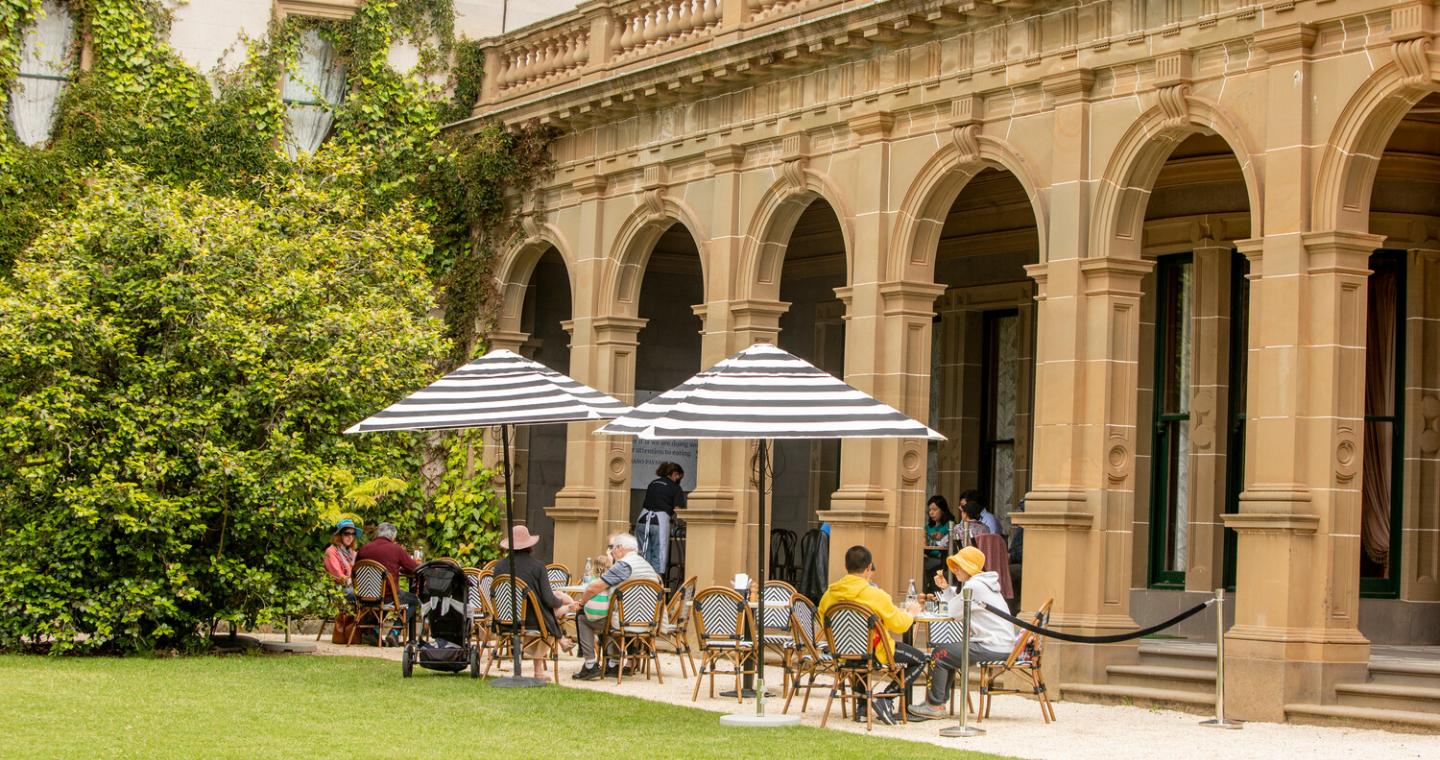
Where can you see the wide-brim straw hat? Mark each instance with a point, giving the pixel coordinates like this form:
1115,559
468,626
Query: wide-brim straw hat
520,538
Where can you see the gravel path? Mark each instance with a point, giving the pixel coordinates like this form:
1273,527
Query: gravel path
1082,732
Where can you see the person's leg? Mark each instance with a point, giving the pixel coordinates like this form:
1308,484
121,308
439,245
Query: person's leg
914,661
585,630
412,606
662,543
947,661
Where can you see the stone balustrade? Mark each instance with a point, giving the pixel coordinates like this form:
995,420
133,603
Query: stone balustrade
553,56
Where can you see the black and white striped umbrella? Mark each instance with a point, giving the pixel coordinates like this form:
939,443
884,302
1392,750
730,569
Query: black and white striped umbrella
499,388
765,392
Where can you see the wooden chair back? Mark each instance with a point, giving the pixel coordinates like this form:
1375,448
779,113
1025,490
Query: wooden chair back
373,584
557,574
720,615
850,629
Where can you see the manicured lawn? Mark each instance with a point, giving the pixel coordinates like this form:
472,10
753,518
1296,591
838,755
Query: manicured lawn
323,707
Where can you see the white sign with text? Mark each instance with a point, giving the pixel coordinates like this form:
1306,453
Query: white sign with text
647,455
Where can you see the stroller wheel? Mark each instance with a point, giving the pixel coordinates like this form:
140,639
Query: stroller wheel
407,663
474,662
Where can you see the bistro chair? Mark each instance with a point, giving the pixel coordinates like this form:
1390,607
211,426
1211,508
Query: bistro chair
849,629
782,555
491,565
721,621
811,661
558,575
635,609
778,595
502,599
951,632
1024,662
479,602
675,625
377,599
675,563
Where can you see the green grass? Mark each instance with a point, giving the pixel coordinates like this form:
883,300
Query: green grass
322,707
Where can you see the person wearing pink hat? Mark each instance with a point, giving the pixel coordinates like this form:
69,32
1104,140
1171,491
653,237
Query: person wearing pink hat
531,570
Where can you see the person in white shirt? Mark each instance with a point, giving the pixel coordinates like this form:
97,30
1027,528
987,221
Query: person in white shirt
991,636
629,564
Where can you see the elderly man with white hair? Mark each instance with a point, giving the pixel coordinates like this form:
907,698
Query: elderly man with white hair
629,565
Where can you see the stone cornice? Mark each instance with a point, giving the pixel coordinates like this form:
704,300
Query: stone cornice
1286,43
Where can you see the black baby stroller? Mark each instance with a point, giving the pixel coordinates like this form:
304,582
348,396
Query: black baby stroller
443,639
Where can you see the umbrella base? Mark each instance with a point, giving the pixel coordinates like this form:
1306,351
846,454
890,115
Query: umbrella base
749,720
518,682
961,732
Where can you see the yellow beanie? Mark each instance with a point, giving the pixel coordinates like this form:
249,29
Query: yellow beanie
970,560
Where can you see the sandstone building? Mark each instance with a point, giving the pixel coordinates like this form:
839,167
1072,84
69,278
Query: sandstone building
1166,270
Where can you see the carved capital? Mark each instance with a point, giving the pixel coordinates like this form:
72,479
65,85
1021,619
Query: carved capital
1070,86
1286,43
869,127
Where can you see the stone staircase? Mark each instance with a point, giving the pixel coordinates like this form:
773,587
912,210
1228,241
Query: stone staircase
1174,674
1403,690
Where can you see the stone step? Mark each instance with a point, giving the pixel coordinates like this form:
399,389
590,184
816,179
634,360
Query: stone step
1177,654
1110,694
1163,678
1384,696
1424,673
1363,716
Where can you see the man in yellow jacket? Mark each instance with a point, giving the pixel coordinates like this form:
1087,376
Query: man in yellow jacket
857,587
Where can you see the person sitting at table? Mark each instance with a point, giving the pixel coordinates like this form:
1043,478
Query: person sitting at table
857,587
553,604
397,562
938,522
984,514
991,636
629,565
971,523
340,556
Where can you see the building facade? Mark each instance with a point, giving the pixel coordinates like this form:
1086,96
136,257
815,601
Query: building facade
1166,270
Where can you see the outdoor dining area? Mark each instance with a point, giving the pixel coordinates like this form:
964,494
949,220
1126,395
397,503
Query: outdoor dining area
711,631
841,641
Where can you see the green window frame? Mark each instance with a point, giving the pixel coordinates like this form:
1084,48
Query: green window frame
1238,393
1170,449
1389,586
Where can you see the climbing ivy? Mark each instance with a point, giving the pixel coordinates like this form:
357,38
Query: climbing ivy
139,115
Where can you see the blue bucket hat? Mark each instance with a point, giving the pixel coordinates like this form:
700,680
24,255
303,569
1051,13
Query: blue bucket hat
343,525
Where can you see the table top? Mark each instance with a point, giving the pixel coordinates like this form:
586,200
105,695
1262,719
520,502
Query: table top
932,617
571,589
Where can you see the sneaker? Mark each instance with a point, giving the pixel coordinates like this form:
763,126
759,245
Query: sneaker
923,712
885,711
588,673
612,671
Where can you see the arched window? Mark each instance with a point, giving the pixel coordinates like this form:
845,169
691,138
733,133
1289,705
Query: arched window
313,88
46,60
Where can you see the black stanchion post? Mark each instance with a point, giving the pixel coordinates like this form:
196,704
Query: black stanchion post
964,730
1219,720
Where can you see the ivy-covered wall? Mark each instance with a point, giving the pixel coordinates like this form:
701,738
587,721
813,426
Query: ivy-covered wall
142,140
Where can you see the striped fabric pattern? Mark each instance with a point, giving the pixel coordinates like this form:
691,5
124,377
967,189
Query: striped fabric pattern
764,392
499,388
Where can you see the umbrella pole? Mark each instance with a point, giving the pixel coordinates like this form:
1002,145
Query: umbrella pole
760,607
515,679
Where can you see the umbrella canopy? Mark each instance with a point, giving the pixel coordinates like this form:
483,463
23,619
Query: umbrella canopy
500,388
764,392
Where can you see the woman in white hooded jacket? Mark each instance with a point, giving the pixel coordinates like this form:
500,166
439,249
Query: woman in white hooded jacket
991,636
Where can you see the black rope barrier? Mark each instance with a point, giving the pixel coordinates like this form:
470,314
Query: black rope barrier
1111,639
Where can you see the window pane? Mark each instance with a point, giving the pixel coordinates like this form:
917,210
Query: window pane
1007,371
1179,509
311,91
1178,336
1002,477
45,63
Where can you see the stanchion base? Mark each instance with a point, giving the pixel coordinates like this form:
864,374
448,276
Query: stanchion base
749,720
518,682
745,694
961,732
1217,723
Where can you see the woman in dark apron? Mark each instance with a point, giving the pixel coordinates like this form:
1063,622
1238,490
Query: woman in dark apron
652,529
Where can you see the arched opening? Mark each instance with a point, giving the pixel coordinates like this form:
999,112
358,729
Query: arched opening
982,352
668,354
1400,474
540,449
1194,323
807,473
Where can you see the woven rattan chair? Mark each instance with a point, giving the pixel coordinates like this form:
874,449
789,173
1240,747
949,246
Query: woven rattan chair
811,661
721,620
778,595
849,629
675,627
539,636
377,598
1024,662
558,575
479,601
635,610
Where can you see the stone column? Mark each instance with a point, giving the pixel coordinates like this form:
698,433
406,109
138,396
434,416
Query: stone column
1209,396
1297,575
1078,513
1420,541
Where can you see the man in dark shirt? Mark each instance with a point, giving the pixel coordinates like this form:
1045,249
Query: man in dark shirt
531,570
395,558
